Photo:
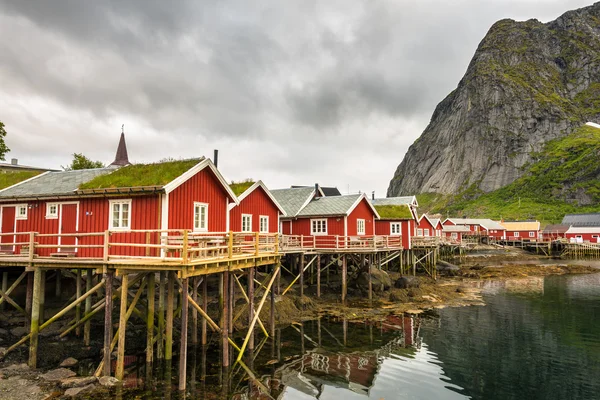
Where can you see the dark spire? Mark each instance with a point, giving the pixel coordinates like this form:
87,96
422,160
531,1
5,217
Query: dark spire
121,159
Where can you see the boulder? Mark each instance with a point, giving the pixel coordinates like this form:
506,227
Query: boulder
19,331
108,381
77,382
405,282
446,268
380,280
74,392
69,362
58,374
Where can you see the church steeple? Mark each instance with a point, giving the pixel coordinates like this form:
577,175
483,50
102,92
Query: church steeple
121,159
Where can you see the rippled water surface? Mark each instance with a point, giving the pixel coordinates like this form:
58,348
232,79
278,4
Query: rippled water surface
535,339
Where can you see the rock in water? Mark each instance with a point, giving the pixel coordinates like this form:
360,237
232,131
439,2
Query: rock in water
380,280
108,381
528,82
73,392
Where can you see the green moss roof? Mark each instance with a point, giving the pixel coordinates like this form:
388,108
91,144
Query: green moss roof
12,178
240,187
136,175
394,212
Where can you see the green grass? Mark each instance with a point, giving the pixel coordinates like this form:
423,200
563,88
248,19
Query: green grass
12,178
240,187
394,211
566,169
136,175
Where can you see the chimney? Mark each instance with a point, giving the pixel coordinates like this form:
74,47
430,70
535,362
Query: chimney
121,158
373,195
14,161
317,195
216,158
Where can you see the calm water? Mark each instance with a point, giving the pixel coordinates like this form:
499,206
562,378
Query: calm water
535,339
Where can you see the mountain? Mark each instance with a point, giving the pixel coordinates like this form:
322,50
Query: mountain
527,84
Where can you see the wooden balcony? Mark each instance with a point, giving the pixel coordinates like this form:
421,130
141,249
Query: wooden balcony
329,243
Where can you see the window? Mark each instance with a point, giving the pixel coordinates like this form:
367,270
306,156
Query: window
51,211
419,232
200,217
360,226
246,223
395,228
22,211
318,227
264,224
426,232
516,234
531,234
120,215
454,235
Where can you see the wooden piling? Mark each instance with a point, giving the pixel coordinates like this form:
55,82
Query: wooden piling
184,331
277,271
88,307
35,317
42,297
231,298
318,276
77,296
160,342
194,333
4,287
344,277
120,370
205,307
251,305
57,284
169,321
225,319
108,330
301,271
150,320
29,293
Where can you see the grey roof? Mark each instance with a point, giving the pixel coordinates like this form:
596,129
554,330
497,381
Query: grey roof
52,184
455,228
327,190
582,220
293,199
555,228
394,201
484,222
434,221
334,205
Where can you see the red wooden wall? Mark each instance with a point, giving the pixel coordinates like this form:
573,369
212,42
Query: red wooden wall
361,211
425,224
407,230
256,203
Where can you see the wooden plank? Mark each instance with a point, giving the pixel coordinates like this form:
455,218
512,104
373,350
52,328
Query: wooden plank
120,371
35,316
108,304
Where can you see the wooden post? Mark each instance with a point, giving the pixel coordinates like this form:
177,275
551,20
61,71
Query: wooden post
120,370
169,330
251,305
88,307
108,330
77,296
319,276
344,276
231,298
257,244
150,321
230,245
106,249
57,287
301,270
4,287
185,251
371,259
42,297
225,320
194,312
29,293
184,331
35,318
205,307
160,342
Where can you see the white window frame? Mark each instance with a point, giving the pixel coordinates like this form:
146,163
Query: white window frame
531,234
263,224
197,217
454,235
18,210
419,232
425,232
318,227
49,213
121,227
360,223
248,228
516,234
395,228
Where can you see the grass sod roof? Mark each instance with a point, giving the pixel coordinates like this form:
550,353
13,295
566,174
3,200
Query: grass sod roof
240,187
12,178
137,175
394,211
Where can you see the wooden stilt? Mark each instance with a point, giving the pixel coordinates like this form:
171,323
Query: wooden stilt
194,312
344,275
29,293
35,318
370,275
318,276
231,298
57,285
108,330
272,310
78,295
4,287
160,342
88,307
42,297
169,328
225,319
150,321
120,370
251,305
205,307
184,332
301,271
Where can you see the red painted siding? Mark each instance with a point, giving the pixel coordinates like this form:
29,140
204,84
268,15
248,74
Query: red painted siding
424,224
382,227
203,187
586,237
510,235
286,227
256,204
361,211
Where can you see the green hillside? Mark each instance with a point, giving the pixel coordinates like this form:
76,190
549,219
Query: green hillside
563,178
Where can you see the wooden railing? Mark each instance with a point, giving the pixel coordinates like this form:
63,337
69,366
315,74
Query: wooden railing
425,241
335,242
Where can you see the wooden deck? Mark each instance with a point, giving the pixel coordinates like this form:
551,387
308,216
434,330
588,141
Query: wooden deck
339,244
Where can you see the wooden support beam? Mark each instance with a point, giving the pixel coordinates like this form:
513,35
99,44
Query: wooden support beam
169,328
4,287
10,301
205,307
88,307
77,296
319,276
29,293
194,312
12,287
225,320
108,329
57,285
184,331
35,318
250,305
150,320
120,372
301,275
160,342
344,278
272,310
43,297
231,298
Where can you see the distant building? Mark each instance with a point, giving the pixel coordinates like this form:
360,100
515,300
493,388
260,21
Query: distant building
14,166
582,220
522,230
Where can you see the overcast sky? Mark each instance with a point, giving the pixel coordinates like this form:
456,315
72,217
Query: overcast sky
290,92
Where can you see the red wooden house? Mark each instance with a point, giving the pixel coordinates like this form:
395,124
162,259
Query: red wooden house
257,211
554,232
437,226
479,226
521,230
426,227
454,233
398,217
186,194
583,234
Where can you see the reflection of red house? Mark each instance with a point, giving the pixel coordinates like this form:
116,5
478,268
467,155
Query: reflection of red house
398,217
258,211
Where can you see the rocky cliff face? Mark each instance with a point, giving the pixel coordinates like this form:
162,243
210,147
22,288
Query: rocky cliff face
528,83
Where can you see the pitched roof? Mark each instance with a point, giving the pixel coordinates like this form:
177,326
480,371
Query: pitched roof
334,205
484,222
8,179
327,190
293,199
581,220
121,158
435,222
455,228
515,226
389,211
395,201
51,184
240,187
555,228
252,188
579,230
